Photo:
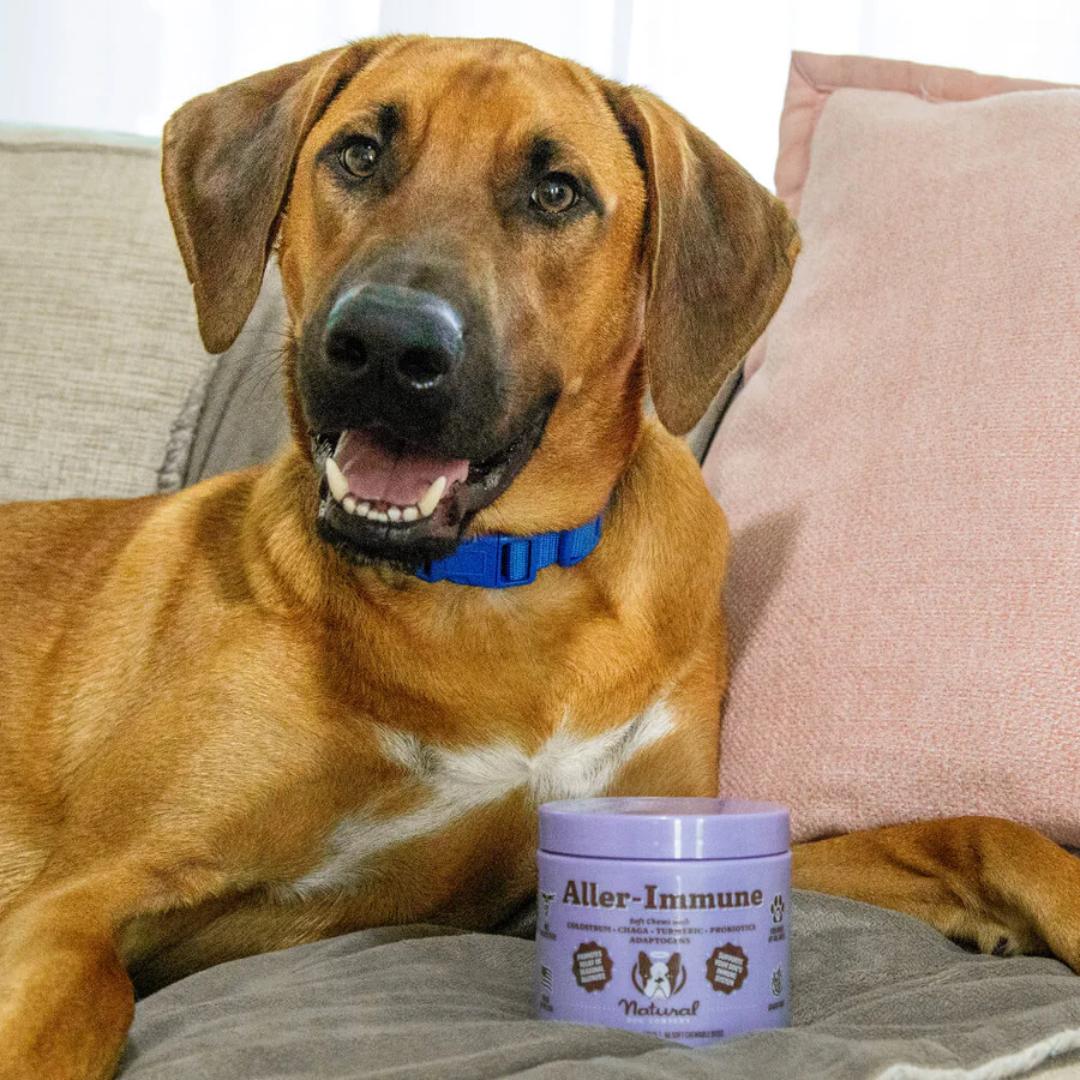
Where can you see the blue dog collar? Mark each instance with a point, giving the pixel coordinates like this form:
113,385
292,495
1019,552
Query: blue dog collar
500,562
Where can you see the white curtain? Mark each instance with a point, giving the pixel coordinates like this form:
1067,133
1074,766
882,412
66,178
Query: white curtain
124,65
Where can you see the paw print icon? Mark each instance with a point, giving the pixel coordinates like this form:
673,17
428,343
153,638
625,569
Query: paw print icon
777,909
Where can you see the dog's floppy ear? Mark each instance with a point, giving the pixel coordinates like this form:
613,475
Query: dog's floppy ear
227,161
719,247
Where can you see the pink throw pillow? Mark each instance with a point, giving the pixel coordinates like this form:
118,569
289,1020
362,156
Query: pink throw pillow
901,470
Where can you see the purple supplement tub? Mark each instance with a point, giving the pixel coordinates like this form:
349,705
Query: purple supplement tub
664,916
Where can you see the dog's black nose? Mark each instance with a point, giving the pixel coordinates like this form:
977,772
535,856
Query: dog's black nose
391,334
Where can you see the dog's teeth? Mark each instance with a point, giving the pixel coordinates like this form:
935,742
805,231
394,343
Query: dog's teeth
339,486
349,503
431,499
378,516
394,513
410,513
363,508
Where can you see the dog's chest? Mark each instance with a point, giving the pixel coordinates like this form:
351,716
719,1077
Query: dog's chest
449,784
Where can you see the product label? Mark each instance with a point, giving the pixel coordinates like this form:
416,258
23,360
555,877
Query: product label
693,955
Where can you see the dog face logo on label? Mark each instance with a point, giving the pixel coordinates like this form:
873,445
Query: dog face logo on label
659,974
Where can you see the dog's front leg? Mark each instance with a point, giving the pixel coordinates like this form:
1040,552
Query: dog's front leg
65,1000
986,881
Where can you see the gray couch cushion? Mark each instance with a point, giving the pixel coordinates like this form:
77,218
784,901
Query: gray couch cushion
98,344
235,414
874,993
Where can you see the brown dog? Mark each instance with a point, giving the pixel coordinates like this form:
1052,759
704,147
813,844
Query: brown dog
234,720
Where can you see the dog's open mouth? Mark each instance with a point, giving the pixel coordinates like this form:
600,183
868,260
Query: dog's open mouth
384,499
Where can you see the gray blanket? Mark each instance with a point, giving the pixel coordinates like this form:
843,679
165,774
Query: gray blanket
875,994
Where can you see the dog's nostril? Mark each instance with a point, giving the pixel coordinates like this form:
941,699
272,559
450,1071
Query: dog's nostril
348,351
422,368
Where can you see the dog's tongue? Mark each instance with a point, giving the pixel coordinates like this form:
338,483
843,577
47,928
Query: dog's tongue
376,473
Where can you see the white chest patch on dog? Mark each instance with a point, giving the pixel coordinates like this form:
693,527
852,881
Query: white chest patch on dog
567,766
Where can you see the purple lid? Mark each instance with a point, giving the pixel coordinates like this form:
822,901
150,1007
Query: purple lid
650,828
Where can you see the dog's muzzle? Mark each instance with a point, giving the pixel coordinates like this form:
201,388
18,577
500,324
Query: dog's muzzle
410,426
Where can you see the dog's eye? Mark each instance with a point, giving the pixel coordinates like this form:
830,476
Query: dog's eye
359,157
555,194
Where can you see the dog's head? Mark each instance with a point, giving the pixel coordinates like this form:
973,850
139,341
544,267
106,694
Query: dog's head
487,253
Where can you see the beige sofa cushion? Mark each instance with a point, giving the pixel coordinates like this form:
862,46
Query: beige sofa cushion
98,342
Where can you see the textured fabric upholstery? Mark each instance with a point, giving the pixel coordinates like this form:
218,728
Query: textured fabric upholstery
98,343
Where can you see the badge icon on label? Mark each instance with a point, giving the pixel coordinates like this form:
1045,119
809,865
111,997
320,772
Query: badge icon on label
544,915
727,968
592,966
777,909
777,982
